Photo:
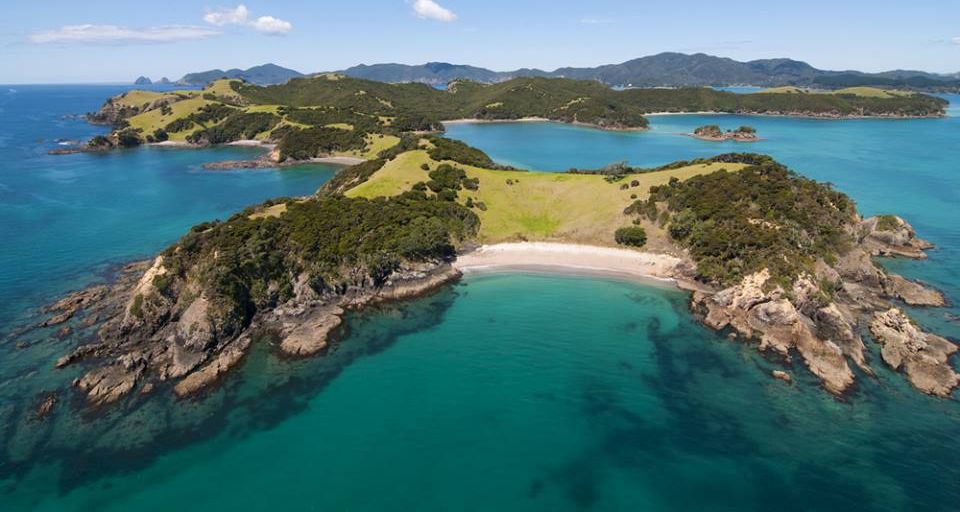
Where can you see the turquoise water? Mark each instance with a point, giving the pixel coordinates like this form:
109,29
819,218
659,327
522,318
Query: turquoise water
65,218
907,167
513,391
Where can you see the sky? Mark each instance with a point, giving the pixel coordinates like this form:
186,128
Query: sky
94,41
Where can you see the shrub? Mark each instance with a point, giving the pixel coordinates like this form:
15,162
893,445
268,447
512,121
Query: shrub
887,223
633,236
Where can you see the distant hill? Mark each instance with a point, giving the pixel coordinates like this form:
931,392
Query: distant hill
142,80
434,73
669,70
267,74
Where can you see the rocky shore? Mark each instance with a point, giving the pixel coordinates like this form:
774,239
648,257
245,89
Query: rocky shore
825,331
139,351
141,346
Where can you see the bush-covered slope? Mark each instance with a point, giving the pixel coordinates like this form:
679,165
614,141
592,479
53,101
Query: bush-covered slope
762,217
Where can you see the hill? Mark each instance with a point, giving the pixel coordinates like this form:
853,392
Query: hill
670,69
267,74
434,73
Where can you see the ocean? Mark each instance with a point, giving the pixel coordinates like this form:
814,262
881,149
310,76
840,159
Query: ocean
510,391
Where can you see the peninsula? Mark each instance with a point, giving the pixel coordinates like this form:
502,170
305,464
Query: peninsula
782,261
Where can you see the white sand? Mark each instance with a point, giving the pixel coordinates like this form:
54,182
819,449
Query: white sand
569,257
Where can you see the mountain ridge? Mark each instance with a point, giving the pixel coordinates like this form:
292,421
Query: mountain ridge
667,69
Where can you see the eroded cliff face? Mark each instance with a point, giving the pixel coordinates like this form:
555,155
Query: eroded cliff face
147,338
823,328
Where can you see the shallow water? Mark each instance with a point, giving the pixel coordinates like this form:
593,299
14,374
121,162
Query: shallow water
907,167
511,391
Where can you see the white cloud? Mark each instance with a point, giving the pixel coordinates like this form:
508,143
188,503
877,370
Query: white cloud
236,16
428,9
240,15
956,40
271,25
115,34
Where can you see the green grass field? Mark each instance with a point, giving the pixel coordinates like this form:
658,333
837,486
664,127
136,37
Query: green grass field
153,119
866,92
536,205
376,142
872,92
223,90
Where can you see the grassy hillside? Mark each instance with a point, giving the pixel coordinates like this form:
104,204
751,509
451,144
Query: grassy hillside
864,92
535,205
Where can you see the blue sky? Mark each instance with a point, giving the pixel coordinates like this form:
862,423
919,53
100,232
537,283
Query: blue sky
108,41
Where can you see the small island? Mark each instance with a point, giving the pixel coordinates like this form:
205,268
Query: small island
713,133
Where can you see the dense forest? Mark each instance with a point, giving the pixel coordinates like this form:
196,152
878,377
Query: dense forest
764,216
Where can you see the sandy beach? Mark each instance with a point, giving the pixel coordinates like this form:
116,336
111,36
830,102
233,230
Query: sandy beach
569,258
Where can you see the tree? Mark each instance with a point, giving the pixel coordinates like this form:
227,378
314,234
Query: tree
633,236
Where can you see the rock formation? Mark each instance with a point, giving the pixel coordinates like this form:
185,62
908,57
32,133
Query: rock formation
823,330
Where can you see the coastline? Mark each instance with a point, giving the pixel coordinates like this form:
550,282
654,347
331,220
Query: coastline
473,120
261,162
797,115
721,139
575,259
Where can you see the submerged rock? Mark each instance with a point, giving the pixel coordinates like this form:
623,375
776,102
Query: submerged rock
781,375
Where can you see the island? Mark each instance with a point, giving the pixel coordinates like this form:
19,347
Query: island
713,133
331,115
783,262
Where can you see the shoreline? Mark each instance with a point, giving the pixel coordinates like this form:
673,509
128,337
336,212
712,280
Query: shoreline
572,259
824,117
721,139
473,120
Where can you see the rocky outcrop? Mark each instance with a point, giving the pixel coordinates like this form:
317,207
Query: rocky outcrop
309,333
764,313
207,375
912,293
147,337
822,327
889,235
922,356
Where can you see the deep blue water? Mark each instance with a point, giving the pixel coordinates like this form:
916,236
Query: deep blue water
512,391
